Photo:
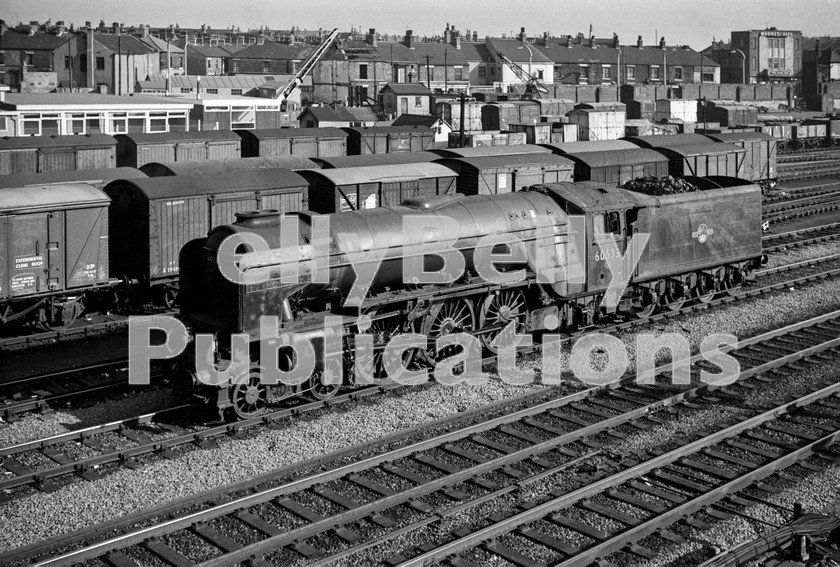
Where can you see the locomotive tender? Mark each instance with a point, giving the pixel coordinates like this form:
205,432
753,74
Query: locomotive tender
698,244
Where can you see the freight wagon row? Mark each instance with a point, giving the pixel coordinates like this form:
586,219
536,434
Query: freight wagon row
37,154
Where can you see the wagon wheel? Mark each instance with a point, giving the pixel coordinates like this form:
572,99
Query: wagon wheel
318,390
249,395
444,318
71,311
648,305
170,297
383,331
705,290
498,310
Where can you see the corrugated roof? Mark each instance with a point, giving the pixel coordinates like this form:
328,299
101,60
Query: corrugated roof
50,197
376,159
125,44
224,182
581,147
269,133
381,173
164,137
510,160
491,150
73,176
15,40
23,142
619,157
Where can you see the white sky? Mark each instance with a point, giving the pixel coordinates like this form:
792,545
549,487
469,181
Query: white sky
692,22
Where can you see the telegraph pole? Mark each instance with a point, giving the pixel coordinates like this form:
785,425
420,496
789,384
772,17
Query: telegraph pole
428,77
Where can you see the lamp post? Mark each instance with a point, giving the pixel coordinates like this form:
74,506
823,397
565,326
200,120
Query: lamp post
743,63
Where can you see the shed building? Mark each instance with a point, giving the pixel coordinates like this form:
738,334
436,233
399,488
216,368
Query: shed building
354,188
500,115
305,142
598,123
136,150
491,175
45,154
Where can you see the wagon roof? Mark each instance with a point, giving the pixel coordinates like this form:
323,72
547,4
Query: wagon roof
51,197
163,137
484,162
232,164
381,173
707,148
225,182
491,150
619,157
388,129
376,159
668,140
580,147
268,133
25,142
74,176
738,136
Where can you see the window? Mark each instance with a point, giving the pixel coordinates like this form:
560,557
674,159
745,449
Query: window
100,63
418,101
236,92
584,73
753,64
2,57
459,73
67,61
614,223
209,64
235,66
678,73
606,72
630,70
186,89
539,74
708,77
212,91
482,71
29,59
363,71
654,72
266,66
609,223
558,73
83,62
796,45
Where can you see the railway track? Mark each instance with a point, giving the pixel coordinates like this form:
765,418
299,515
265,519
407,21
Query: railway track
802,206
808,155
807,170
419,486
801,237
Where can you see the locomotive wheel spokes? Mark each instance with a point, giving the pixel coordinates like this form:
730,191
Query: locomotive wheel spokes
248,395
383,330
705,291
732,282
445,318
647,305
499,310
317,389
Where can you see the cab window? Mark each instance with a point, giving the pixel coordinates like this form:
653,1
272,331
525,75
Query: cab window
614,223
609,223
599,222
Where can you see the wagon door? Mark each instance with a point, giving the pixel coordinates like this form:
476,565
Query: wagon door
191,151
305,147
27,256
55,250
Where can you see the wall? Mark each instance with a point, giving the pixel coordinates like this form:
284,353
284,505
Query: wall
44,82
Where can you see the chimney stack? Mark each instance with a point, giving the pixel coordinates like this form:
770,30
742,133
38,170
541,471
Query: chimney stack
33,28
523,37
475,37
592,41
616,45
371,37
447,35
408,38
116,27
639,42
662,43
580,38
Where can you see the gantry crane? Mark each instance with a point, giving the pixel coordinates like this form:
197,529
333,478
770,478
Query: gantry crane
533,86
307,66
